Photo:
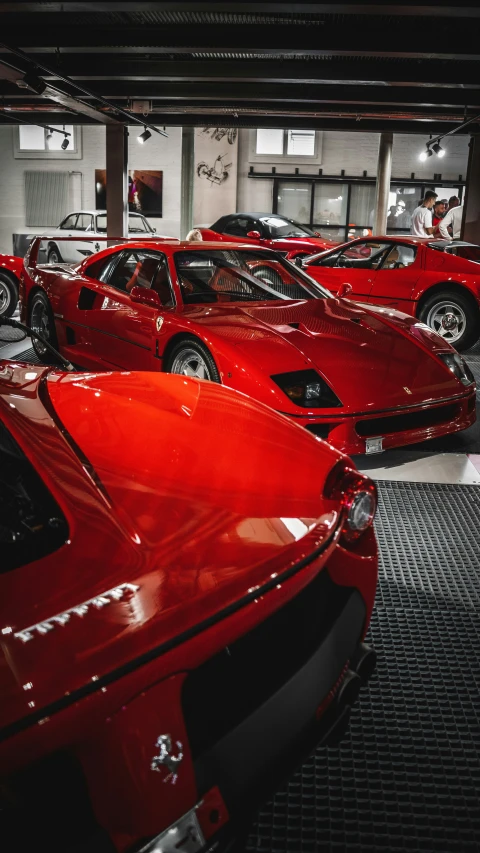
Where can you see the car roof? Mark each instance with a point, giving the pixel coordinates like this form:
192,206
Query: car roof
254,215
96,212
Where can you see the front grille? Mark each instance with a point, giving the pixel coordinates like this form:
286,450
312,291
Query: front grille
408,421
226,689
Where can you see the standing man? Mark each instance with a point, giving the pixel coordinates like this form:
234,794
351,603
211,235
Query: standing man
438,212
421,225
452,220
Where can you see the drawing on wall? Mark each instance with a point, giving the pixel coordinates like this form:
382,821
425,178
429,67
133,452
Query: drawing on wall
218,133
216,174
145,191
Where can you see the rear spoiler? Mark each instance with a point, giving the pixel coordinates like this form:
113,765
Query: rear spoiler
31,257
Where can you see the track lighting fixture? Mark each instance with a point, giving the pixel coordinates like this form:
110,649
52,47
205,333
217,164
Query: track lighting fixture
437,148
426,153
65,143
144,136
31,81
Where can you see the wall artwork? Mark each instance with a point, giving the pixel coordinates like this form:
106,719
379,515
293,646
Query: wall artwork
215,175
145,191
219,133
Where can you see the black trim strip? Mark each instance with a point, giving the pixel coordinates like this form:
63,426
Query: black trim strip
433,404
127,668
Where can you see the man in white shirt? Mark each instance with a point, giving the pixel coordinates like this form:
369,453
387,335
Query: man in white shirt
453,218
421,225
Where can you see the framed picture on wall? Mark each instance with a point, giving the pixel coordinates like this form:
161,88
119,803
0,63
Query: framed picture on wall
145,191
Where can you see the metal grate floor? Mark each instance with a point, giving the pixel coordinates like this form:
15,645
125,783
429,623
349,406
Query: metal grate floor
407,775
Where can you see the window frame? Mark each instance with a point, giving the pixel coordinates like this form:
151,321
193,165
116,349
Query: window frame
73,152
284,157
117,260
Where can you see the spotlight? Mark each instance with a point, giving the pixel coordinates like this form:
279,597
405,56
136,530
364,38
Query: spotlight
438,149
65,143
425,154
49,134
144,136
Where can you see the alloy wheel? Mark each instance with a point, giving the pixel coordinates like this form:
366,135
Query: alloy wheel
189,362
5,298
448,320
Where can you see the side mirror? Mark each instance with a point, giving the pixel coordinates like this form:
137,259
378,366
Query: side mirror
299,261
255,235
344,289
145,296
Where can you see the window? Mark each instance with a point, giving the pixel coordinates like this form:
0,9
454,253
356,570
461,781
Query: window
70,223
279,228
330,209
97,269
31,522
239,276
294,200
240,226
276,142
136,224
84,222
36,138
368,255
399,257
142,269
301,143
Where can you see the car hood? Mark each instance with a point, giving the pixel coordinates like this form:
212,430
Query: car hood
198,512
372,359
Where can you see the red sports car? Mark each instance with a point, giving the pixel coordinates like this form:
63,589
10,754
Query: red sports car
179,618
436,281
270,230
10,269
366,378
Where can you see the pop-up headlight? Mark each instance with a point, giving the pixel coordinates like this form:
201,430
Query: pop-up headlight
307,389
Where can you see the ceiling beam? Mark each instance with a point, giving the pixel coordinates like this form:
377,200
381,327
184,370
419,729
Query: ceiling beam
409,8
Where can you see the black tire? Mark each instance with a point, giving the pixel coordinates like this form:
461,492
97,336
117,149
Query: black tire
462,305
8,295
40,308
185,349
54,256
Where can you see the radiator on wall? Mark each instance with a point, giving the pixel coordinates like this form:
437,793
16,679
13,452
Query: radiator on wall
46,198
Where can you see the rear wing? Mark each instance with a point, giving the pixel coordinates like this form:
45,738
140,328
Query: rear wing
31,257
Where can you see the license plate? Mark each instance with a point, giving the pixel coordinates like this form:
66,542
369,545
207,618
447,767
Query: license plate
184,836
374,445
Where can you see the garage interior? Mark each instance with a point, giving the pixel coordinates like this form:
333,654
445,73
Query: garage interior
406,776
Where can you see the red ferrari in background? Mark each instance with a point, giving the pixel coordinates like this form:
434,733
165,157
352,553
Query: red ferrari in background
180,616
366,378
434,280
10,269
270,230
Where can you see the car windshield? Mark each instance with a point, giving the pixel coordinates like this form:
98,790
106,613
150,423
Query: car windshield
137,224
241,275
279,227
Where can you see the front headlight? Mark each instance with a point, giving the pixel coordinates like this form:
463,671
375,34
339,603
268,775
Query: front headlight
458,366
307,389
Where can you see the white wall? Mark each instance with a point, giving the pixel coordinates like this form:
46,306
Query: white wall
354,152
158,153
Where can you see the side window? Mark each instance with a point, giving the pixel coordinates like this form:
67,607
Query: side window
162,284
98,268
366,256
399,257
32,524
136,224
70,223
239,227
84,222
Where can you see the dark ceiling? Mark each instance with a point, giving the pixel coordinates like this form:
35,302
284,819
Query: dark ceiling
404,67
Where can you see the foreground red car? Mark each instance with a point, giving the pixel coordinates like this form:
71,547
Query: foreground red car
270,230
366,378
434,280
10,270
180,616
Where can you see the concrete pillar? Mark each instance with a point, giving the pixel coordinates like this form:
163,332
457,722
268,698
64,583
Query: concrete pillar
471,206
117,192
186,200
382,189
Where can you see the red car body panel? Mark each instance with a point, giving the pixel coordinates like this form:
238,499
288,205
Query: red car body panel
174,552
401,289
10,263
376,362
293,245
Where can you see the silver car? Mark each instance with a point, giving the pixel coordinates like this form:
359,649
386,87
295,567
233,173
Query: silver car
88,224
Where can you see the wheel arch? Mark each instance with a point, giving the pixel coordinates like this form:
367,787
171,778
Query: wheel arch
185,336
452,286
10,275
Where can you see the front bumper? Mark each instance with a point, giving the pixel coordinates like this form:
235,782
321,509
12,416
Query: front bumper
398,427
